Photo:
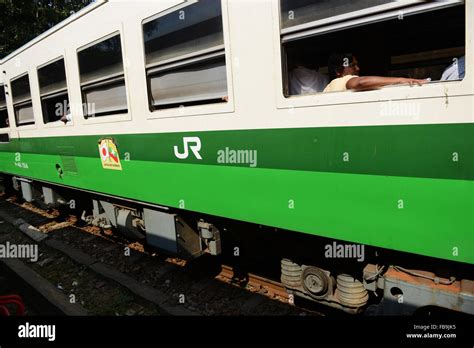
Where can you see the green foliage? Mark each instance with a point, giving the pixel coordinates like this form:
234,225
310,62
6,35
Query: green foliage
23,20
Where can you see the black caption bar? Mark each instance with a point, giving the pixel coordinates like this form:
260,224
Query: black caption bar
261,330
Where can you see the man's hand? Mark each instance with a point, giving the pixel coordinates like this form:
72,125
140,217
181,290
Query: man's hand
64,119
413,82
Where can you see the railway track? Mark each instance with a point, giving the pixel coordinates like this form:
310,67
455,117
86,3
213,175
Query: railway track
144,281
256,283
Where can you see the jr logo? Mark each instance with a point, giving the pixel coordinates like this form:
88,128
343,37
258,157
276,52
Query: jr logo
193,143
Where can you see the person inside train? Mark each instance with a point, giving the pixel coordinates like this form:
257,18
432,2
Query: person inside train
304,78
455,71
344,74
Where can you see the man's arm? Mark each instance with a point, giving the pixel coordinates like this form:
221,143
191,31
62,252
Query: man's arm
367,83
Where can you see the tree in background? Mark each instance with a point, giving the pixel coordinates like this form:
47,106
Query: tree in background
23,20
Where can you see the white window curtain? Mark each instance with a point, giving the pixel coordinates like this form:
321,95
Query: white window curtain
24,114
204,82
106,99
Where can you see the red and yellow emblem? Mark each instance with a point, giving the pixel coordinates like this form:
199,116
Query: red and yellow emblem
109,155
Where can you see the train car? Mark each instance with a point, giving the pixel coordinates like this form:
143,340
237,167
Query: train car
172,118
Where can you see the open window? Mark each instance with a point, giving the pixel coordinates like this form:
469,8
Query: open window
102,78
185,56
389,38
22,104
4,123
53,91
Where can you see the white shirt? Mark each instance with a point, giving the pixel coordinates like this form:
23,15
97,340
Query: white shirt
306,81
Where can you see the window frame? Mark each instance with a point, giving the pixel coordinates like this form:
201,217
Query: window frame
58,123
199,109
102,36
26,126
5,129
436,89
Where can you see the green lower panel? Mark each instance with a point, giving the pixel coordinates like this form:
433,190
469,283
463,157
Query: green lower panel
428,216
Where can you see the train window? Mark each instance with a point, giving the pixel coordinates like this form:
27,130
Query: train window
102,78
22,104
4,123
185,56
394,39
53,91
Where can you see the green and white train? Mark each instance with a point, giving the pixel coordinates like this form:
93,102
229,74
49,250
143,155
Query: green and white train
174,109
